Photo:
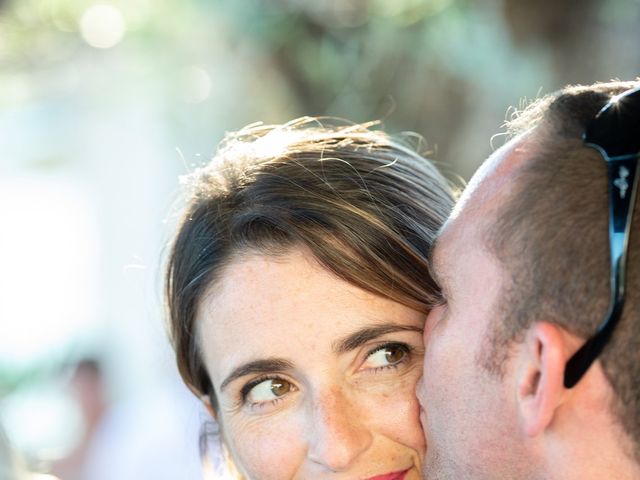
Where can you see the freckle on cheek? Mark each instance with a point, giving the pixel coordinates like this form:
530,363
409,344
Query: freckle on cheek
269,453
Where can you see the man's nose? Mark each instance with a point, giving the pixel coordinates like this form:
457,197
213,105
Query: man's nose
338,431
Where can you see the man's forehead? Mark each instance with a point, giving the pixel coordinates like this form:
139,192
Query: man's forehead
496,174
487,190
439,261
454,235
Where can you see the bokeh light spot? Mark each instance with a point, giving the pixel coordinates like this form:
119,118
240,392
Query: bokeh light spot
102,26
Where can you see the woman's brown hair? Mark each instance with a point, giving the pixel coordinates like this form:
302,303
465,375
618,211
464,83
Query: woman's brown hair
367,207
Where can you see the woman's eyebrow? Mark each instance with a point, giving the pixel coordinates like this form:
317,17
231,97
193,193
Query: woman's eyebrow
362,336
267,365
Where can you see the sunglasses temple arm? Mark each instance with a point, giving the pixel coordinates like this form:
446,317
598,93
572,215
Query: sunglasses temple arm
623,186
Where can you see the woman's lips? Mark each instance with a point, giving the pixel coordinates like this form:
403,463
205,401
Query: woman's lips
390,476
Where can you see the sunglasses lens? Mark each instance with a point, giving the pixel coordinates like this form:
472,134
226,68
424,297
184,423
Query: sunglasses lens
616,128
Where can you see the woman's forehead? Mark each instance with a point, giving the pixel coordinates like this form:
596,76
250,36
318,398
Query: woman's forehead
260,292
264,306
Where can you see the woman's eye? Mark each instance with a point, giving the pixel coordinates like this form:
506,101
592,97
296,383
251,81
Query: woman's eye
387,356
267,390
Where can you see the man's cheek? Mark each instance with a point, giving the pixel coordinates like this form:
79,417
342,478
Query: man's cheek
420,392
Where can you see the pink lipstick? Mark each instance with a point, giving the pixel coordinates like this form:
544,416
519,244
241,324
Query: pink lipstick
390,476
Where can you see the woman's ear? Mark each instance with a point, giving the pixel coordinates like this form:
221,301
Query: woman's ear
206,400
540,377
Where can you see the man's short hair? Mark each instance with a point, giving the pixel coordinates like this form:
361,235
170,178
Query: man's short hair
551,238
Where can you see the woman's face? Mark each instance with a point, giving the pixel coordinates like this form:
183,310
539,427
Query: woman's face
315,377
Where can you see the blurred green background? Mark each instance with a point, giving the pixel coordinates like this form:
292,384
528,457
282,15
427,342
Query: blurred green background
104,105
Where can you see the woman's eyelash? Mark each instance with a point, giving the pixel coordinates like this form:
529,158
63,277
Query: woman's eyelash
246,389
401,345
407,349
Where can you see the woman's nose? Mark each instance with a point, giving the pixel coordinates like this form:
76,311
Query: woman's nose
338,431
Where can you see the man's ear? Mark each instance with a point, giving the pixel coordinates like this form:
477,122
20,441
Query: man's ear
540,377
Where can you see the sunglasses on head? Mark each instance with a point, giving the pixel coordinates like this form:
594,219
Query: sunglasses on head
615,133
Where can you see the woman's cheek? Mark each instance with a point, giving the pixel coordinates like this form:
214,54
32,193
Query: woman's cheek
397,412
270,448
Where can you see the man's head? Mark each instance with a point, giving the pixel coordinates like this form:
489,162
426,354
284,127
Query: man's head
525,271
